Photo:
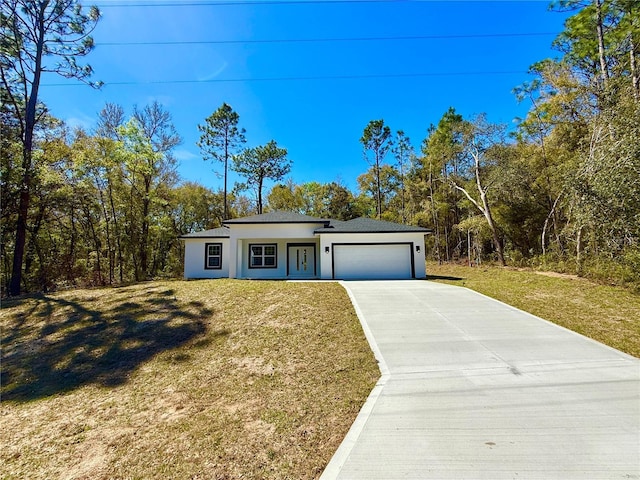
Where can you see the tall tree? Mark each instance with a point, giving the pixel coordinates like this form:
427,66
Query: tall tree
482,144
377,140
159,165
34,31
220,139
382,184
402,150
267,162
442,158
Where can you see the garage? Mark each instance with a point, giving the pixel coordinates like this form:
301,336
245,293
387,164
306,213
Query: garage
355,261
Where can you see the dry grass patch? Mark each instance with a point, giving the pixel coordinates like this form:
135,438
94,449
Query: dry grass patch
608,314
210,379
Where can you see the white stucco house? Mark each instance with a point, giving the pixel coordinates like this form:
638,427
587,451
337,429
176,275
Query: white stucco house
285,245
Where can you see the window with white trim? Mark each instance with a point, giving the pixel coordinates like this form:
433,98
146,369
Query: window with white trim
263,255
212,256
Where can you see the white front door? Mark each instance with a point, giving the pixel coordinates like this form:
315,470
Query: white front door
301,261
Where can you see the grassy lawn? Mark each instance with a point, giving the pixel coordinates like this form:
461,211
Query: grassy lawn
212,379
610,315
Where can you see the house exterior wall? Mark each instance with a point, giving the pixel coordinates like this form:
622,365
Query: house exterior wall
244,271
194,258
241,236
235,250
328,239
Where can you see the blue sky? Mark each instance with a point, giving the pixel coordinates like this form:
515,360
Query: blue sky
313,97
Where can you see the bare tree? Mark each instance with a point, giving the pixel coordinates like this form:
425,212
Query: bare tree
481,142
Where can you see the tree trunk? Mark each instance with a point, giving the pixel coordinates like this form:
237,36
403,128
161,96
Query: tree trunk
225,215
635,81
260,196
116,229
110,250
604,70
446,242
21,232
378,196
492,227
434,214
486,210
27,158
579,251
551,215
144,238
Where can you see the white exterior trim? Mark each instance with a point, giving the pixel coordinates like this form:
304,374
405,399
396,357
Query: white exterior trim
235,249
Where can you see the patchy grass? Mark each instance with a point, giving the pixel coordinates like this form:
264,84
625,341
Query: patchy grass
610,315
212,379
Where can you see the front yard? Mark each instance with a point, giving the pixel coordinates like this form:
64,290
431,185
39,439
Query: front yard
212,379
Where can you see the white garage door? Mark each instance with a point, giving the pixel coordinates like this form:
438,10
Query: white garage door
380,261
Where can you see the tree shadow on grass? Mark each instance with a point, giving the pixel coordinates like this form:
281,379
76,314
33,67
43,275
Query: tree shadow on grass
62,344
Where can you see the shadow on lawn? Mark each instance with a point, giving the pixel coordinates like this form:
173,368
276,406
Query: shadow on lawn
80,346
444,277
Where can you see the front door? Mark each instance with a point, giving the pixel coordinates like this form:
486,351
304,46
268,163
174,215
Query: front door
302,261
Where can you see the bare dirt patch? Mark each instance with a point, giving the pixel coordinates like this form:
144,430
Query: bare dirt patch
558,275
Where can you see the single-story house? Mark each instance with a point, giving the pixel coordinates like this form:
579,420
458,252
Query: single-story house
281,245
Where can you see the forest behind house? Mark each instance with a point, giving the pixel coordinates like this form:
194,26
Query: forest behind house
559,192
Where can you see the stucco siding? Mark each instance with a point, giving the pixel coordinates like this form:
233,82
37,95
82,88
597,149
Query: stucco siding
327,242
194,258
280,271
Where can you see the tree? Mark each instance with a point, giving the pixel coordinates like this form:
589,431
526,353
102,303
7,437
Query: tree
220,139
285,197
33,32
340,203
312,196
108,175
402,150
268,162
442,158
157,167
376,139
482,143
383,184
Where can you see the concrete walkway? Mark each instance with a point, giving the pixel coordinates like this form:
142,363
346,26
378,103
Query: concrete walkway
474,389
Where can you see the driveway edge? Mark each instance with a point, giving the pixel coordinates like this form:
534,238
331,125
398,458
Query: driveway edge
344,450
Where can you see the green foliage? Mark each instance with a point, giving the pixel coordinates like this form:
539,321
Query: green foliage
220,139
37,37
377,140
267,162
563,192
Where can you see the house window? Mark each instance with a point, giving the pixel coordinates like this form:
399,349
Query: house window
212,256
263,256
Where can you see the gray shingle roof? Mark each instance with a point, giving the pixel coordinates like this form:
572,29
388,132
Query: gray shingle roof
221,232
369,225
276,217
357,225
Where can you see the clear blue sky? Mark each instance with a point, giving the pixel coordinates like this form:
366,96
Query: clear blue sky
313,97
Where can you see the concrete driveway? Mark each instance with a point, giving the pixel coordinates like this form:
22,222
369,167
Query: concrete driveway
474,389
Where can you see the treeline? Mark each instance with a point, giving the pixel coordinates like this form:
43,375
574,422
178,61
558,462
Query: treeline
108,207
561,191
